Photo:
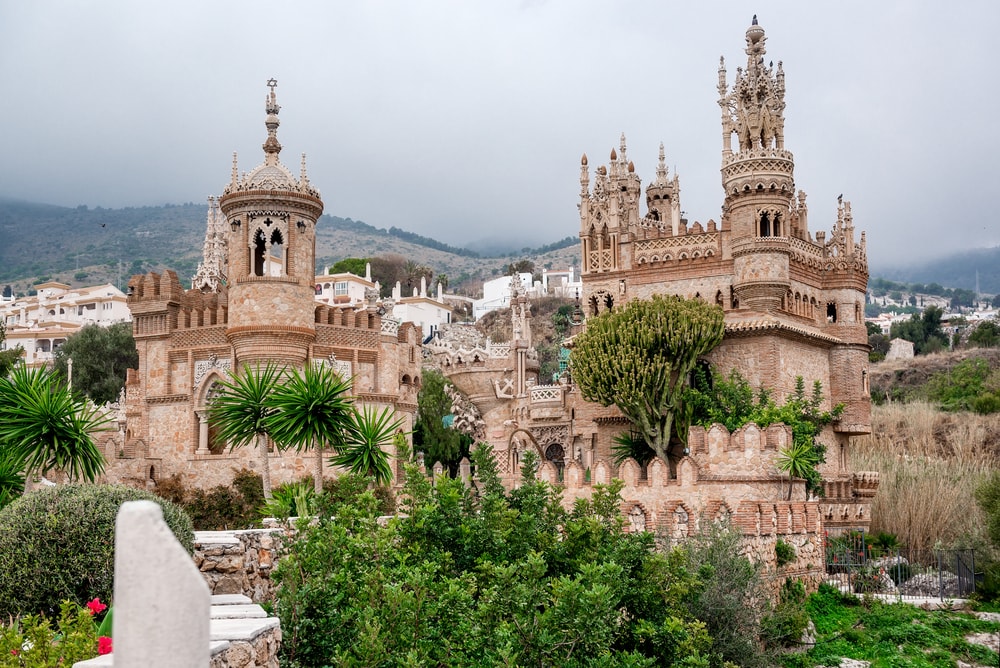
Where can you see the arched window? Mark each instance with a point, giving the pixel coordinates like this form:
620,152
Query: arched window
765,224
259,253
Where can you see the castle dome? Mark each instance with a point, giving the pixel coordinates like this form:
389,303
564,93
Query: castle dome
271,174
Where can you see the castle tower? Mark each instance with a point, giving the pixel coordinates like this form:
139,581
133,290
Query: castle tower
271,218
757,177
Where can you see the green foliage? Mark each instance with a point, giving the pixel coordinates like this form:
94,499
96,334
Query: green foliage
293,499
631,445
784,626
8,358
361,451
784,553
101,356
971,385
438,442
890,634
241,409
733,403
988,498
639,357
11,477
43,426
38,572
234,506
33,642
924,330
730,597
312,408
490,577
349,265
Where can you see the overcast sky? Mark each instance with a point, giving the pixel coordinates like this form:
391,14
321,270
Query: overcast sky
466,120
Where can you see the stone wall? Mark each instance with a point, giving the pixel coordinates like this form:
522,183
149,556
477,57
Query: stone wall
239,562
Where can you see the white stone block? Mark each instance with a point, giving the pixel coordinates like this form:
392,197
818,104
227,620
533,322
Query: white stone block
161,600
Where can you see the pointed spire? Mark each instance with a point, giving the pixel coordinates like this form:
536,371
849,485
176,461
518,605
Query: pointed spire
303,178
236,171
271,146
661,166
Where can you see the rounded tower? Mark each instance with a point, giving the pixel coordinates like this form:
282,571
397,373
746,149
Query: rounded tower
758,177
270,217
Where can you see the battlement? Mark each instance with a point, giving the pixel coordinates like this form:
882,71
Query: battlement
154,287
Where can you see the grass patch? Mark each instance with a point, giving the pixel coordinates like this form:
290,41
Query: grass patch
890,635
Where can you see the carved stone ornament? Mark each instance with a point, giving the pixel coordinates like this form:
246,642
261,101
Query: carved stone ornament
202,367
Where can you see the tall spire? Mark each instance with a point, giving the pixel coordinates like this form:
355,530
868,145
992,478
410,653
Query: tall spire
754,107
272,147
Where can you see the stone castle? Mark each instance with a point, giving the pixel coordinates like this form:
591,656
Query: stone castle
793,303
252,302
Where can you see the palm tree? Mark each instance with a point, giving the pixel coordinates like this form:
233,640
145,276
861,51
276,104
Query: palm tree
43,426
798,461
311,409
240,411
361,451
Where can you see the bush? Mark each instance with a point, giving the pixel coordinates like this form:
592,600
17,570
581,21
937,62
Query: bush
222,507
58,544
784,553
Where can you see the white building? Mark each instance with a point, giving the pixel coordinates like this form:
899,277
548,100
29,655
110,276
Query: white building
425,311
41,323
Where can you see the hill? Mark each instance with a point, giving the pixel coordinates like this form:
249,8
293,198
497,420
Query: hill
955,271
83,246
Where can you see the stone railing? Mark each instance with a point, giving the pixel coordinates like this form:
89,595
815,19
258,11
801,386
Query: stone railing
546,393
390,326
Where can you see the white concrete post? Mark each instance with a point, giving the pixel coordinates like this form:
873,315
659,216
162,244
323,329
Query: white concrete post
161,600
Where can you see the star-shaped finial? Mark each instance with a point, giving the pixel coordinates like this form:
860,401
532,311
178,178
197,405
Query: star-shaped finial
272,83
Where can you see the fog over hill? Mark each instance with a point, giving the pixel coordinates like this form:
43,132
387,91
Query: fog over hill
84,245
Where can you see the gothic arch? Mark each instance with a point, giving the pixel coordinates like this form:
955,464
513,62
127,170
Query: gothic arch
208,439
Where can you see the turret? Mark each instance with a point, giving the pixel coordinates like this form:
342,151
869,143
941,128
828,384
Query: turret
757,177
271,218
663,197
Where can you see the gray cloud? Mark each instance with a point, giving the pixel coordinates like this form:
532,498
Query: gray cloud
465,121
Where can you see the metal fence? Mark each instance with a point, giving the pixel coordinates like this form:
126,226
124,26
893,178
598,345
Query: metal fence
860,565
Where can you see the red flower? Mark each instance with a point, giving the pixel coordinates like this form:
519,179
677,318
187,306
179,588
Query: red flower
103,645
96,607
14,652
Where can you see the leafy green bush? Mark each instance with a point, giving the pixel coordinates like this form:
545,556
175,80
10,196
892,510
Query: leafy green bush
221,507
292,499
58,544
490,577
968,386
784,626
33,642
784,553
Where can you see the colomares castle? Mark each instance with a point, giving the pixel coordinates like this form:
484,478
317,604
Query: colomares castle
793,302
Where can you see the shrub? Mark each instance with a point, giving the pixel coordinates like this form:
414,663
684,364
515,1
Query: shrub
787,622
784,553
293,499
222,507
58,544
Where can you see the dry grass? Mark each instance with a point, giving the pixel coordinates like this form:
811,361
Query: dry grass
930,464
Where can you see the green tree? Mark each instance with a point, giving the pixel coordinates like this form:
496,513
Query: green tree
101,356
311,410
639,357
8,358
43,426
924,330
986,334
361,450
431,435
349,265
241,410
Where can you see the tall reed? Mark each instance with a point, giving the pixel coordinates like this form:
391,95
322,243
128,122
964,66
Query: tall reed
930,464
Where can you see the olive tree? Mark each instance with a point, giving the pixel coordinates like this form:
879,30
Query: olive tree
639,358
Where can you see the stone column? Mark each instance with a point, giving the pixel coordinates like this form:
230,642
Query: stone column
202,433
